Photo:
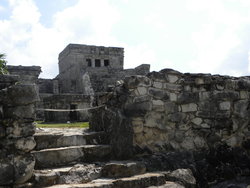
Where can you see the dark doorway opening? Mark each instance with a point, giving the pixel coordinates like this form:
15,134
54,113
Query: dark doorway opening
73,113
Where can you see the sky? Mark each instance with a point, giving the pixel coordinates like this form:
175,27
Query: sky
197,36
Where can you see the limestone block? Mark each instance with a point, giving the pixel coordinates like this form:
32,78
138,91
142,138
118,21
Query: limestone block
244,94
183,176
158,105
191,107
132,82
199,81
158,94
197,121
175,145
179,136
25,144
142,90
20,112
187,88
158,85
140,99
220,86
23,94
137,121
155,120
241,108
204,95
231,95
172,87
6,171
138,128
138,109
205,126
170,107
208,106
24,166
199,142
172,78
188,143
139,139
232,141
188,97
225,105
177,117
243,84
173,97
19,129
123,169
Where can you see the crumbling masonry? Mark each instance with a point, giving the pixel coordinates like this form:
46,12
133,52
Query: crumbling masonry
86,73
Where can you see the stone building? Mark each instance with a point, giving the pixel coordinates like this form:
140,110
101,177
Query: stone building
85,73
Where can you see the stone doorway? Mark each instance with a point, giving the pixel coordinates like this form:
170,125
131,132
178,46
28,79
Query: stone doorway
73,114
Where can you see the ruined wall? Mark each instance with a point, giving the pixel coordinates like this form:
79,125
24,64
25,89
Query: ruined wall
17,114
67,102
101,81
27,74
75,60
171,111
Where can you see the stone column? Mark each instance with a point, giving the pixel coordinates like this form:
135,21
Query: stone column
102,62
16,130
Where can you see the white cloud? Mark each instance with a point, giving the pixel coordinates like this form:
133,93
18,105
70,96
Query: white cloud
213,28
27,42
140,54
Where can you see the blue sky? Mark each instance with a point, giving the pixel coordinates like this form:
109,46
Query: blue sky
208,36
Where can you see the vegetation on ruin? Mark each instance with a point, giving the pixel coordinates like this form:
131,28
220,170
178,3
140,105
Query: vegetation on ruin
3,62
41,124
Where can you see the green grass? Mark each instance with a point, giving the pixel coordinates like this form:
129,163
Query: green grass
62,125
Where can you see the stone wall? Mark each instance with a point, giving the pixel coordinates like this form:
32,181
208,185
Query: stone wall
17,113
67,102
27,74
171,111
102,81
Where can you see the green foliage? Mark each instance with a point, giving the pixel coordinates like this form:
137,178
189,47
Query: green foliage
62,125
3,62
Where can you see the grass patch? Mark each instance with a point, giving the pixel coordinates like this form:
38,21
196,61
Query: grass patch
62,125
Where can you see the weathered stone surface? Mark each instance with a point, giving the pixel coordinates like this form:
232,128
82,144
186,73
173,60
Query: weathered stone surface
62,156
6,171
241,108
19,128
56,137
134,81
191,107
158,94
226,105
24,166
16,127
172,78
123,169
183,176
139,181
168,184
25,144
27,94
20,112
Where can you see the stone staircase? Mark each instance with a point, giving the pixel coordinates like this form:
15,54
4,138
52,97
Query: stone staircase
78,158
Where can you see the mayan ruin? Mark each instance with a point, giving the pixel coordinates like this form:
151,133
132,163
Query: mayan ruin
147,129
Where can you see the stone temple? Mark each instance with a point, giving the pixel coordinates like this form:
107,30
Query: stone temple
86,73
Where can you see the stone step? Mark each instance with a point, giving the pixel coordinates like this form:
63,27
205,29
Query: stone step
54,157
137,181
78,173
54,138
84,173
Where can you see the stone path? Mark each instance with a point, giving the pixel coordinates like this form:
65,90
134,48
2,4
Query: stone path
67,158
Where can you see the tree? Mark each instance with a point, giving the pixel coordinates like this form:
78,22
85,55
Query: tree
3,67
